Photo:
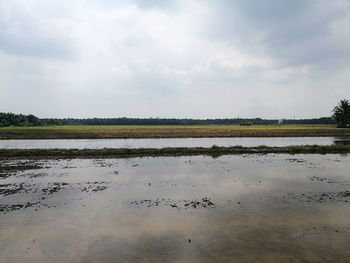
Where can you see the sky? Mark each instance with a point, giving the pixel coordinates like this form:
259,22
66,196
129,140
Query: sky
181,59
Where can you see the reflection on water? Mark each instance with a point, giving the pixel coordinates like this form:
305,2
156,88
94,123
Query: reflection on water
248,208
171,142
342,141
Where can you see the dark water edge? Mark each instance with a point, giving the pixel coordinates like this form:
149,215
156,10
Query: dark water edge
237,208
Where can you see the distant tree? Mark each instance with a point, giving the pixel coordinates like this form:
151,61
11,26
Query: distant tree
341,114
32,120
11,119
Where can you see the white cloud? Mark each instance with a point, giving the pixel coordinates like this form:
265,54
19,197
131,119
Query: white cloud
173,58
231,58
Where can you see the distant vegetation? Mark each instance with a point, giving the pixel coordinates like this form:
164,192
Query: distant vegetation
341,114
11,119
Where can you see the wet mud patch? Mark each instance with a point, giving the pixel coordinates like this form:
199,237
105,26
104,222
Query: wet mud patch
335,181
270,158
94,187
11,167
5,208
104,163
297,160
29,189
260,158
303,162
341,196
181,204
319,179
35,175
21,165
20,196
11,189
53,188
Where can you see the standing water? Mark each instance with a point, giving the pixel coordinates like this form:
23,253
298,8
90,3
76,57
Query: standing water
162,143
246,208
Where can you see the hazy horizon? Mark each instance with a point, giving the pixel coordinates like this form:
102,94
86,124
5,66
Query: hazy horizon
194,59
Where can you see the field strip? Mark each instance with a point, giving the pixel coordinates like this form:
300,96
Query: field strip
176,151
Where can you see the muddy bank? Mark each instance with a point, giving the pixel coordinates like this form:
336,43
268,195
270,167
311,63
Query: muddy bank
176,151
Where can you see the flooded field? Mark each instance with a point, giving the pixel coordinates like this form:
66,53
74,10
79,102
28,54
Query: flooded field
245,208
170,142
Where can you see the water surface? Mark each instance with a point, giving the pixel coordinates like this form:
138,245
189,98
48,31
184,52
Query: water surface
247,208
172,142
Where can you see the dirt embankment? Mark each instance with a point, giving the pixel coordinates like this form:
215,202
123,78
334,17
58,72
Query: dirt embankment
214,151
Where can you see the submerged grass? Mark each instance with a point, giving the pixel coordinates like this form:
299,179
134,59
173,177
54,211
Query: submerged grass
183,151
168,131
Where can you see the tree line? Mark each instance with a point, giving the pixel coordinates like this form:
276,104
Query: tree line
12,119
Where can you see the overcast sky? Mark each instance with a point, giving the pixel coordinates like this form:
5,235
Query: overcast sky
163,58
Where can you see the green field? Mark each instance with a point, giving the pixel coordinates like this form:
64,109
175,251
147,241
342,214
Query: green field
166,131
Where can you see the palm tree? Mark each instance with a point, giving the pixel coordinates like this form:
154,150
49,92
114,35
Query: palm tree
341,114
